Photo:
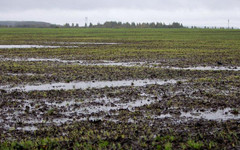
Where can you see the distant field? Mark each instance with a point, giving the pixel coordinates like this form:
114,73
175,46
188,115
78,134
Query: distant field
181,46
119,88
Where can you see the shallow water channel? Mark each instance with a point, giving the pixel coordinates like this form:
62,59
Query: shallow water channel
80,62
62,44
206,68
87,84
27,46
125,64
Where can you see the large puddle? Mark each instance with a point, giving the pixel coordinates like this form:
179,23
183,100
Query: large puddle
85,85
219,115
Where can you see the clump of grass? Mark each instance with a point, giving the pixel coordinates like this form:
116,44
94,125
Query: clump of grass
103,144
51,112
194,145
168,146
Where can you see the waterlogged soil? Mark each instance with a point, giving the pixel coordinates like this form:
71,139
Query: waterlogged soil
30,112
197,100
125,64
197,104
91,92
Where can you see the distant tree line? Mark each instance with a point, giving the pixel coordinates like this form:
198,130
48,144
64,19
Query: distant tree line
114,24
108,24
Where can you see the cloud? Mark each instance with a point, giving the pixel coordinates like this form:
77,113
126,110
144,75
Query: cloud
16,5
189,12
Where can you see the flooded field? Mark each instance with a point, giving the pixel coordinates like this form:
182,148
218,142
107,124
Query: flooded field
138,89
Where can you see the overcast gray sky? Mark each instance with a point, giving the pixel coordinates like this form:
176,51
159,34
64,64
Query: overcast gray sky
188,12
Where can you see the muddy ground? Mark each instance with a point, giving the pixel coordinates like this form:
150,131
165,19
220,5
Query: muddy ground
61,98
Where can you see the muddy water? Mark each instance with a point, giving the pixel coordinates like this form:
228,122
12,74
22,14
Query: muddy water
86,85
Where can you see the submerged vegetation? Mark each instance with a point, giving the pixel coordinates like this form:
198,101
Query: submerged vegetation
199,110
